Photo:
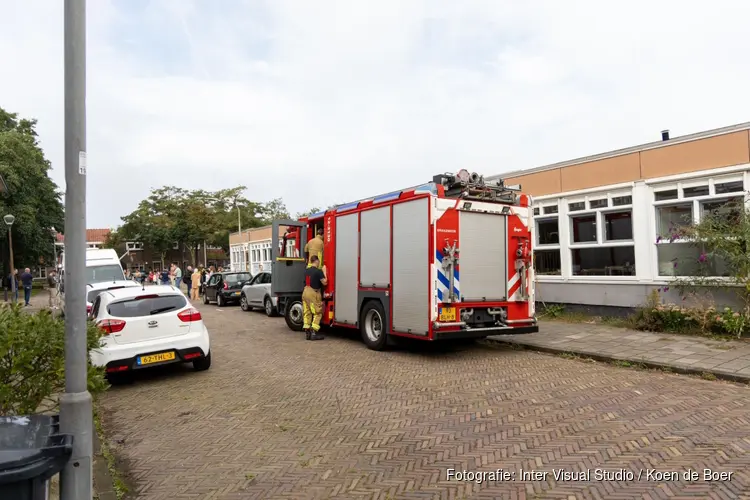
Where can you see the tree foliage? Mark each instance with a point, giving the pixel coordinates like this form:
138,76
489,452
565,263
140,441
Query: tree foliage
274,210
172,215
307,213
313,210
32,197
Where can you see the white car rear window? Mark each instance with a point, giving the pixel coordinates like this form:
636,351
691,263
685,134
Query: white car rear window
93,294
147,305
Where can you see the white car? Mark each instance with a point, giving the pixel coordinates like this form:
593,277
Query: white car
94,289
145,327
257,294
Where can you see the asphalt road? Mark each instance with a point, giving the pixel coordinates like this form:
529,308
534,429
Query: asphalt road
278,417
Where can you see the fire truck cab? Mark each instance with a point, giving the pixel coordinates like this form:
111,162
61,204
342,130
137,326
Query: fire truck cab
449,259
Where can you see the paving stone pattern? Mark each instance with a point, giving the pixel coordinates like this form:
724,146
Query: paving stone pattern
723,358
277,417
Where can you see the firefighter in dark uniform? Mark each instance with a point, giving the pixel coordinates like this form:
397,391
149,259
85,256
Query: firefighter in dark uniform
312,299
315,247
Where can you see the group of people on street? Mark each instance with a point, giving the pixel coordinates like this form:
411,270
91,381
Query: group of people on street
14,281
194,278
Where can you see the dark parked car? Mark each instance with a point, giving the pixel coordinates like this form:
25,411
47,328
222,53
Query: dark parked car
225,288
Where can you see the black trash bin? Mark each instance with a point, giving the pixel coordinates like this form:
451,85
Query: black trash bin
32,450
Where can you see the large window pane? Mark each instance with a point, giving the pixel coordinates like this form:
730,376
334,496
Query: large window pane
547,232
618,226
668,218
547,262
584,228
688,259
604,261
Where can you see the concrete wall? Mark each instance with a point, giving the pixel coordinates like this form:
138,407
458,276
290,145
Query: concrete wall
623,295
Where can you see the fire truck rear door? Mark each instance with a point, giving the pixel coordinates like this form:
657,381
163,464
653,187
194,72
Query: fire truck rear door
287,273
483,258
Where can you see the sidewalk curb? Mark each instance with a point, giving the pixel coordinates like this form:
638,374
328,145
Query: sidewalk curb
104,486
684,370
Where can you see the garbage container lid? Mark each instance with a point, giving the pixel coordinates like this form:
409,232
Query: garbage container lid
28,442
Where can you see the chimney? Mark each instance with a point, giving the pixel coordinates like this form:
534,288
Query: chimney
665,135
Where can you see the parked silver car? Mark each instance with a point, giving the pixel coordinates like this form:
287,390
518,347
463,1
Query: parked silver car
256,294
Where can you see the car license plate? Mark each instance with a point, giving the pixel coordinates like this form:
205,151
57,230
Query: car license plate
447,314
156,358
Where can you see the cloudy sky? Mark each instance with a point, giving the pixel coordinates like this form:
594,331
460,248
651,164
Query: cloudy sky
329,101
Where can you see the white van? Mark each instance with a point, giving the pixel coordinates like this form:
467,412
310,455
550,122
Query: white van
102,265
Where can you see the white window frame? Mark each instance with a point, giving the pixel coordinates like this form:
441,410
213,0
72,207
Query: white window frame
133,246
696,203
547,217
567,246
600,216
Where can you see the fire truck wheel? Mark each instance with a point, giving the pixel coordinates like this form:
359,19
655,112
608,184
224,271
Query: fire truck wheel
373,327
293,315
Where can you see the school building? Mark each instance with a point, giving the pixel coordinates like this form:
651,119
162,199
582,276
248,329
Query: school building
598,219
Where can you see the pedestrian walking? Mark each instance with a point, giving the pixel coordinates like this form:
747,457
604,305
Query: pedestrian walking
27,280
177,275
188,279
12,284
52,288
195,284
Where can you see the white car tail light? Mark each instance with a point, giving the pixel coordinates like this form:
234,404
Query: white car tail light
109,326
189,315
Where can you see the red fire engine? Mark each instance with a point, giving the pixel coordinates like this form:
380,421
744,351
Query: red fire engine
450,259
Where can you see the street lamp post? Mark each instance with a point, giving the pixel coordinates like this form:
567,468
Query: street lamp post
76,412
9,220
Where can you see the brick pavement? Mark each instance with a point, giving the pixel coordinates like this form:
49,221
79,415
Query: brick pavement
729,359
277,417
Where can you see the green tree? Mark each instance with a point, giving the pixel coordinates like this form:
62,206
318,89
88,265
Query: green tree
274,210
224,205
154,222
32,197
115,240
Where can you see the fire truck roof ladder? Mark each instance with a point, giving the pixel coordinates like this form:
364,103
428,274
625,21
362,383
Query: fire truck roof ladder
472,186
469,186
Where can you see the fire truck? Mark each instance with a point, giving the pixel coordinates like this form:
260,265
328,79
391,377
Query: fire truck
450,259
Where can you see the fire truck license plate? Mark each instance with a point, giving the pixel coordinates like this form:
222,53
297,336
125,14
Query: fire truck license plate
447,314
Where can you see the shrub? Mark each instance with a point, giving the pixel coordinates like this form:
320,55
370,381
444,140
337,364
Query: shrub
657,317
32,361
